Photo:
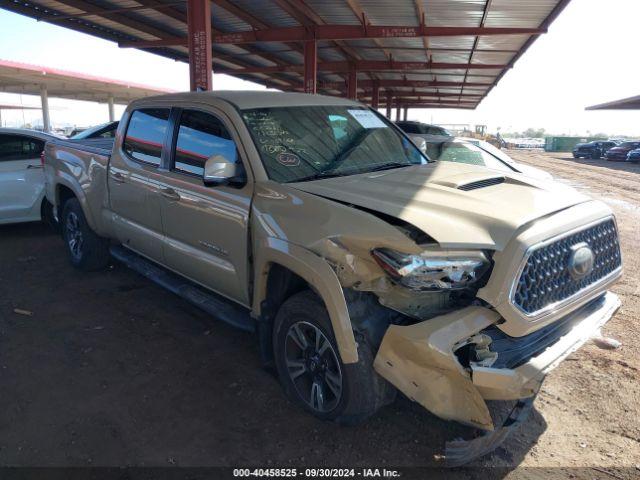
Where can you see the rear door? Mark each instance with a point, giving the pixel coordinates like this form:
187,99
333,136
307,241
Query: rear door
133,195
205,227
21,178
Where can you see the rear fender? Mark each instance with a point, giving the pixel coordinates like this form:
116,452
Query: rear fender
66,180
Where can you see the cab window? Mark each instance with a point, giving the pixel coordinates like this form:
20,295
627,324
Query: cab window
145,134
200,137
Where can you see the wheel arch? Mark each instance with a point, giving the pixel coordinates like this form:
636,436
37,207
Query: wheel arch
282,269
65,191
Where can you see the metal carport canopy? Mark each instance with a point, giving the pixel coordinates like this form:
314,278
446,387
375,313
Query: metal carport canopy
631,103
22,78
440,53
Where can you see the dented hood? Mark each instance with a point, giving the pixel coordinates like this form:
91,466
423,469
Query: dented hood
444,200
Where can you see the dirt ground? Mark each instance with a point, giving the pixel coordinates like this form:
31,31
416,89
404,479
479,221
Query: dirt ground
111,370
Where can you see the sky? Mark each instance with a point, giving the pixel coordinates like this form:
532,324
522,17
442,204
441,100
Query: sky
589,56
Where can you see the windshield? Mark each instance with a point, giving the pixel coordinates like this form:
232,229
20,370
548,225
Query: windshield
305,143
465,152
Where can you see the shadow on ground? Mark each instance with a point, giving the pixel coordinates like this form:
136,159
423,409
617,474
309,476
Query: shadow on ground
111,370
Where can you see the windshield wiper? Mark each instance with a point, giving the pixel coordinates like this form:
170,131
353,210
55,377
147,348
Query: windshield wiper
388,166
317,176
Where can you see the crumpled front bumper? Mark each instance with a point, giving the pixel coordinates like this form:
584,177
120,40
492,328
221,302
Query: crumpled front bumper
419,360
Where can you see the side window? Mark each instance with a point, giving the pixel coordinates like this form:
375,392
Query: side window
33,148
145,134
200,137
17,147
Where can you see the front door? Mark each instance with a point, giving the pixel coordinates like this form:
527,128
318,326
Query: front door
133,195
205,228
21,178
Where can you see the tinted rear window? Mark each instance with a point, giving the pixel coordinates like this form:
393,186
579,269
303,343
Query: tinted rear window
145,134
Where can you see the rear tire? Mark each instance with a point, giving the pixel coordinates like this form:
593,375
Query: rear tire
87,251
311,371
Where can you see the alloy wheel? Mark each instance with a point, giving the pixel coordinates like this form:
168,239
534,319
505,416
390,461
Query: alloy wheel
74,235
313,367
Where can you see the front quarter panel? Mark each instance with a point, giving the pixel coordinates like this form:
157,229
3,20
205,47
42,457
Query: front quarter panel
325,243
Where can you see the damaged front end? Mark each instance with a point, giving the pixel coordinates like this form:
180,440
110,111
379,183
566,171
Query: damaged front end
416,309
441,345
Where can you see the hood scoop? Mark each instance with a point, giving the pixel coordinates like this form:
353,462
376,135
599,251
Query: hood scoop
487,182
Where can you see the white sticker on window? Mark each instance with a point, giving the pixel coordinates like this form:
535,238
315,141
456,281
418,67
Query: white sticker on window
367,118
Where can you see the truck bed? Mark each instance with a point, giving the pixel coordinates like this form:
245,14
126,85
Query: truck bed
98,146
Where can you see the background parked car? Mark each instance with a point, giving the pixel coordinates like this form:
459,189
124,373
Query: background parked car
634,156
593,150
21,177
478,152
620,152
431,133
104,130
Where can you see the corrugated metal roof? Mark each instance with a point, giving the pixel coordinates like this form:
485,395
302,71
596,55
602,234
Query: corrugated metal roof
128,21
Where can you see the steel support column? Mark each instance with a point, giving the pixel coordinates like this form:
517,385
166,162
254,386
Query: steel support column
199,42
352,85
389,102
405,113
44,99
112,113
375,95
398,110
310,66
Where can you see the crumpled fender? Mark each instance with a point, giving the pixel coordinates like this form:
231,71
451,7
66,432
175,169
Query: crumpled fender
317,272
418,360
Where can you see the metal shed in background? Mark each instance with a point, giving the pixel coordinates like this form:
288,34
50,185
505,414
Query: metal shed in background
400,53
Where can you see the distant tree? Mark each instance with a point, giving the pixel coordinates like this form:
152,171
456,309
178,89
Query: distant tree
533,133
600,135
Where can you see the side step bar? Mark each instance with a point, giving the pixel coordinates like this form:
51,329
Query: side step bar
219,307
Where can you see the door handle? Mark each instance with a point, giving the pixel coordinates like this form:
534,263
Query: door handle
170,194
29,167
117,177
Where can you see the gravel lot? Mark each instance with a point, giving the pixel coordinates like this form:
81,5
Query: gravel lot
111,370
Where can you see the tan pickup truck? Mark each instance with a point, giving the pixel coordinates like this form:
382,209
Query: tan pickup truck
362,265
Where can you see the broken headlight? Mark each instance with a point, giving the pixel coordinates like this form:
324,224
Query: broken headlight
433,270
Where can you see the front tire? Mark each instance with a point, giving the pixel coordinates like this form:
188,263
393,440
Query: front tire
311,371
87,251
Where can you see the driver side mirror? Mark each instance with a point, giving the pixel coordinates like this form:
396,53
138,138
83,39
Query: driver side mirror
219,170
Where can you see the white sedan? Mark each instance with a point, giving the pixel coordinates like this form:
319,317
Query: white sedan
21,177
477,152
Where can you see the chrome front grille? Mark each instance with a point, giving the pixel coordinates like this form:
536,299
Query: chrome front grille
545,280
